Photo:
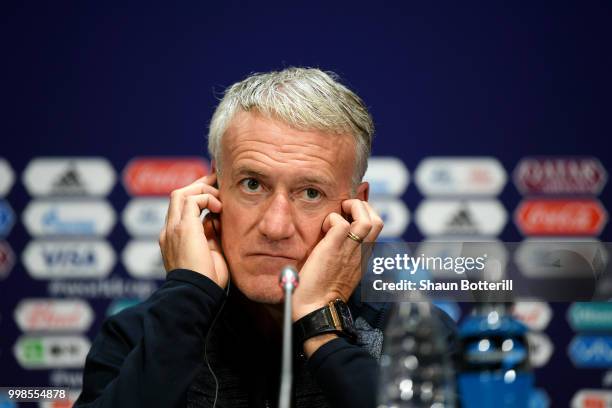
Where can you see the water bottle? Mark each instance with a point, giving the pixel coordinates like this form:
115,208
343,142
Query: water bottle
416,370
494,362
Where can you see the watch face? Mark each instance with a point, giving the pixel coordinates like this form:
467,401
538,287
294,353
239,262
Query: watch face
345,314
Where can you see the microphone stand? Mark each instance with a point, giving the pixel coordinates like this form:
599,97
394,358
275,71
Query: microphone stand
288,281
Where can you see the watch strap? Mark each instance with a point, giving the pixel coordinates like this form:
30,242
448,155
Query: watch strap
335,317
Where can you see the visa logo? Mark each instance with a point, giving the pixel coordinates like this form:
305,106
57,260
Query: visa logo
68,258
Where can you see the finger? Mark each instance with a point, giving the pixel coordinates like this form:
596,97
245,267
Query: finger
362,224
177,199
377,223
194,204
335,228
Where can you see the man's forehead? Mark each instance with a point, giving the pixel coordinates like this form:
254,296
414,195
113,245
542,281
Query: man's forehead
252,136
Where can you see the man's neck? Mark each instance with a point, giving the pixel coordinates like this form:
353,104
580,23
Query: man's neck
268,318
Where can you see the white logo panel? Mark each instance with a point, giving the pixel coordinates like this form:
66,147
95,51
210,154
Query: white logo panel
451,176
43,352
7,177
69,217
53,315
69,176
83,259
388,176
436,217
394,214
145,217
143,260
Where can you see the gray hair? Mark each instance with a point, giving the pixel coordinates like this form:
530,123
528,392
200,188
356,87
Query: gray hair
303,98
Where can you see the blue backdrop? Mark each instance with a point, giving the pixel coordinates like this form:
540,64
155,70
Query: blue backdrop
442,79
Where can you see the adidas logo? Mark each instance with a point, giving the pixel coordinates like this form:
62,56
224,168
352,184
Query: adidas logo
462,222
69,182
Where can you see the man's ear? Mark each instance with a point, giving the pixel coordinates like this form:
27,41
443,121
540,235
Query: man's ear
363,191
213,166
213,169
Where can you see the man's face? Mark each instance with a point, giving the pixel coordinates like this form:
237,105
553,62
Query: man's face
277,186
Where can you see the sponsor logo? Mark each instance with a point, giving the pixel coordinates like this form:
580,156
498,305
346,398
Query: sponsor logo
590,316
43,352
591,351
535,315
561,258
7,177
110,288
388,176
71,259
468,217
560,217
7,259
69,176
561,175
145,217
540,349
451,176
53,315
62,378
160,176
118,305
592,399
394,214
143,260
7,218
69,217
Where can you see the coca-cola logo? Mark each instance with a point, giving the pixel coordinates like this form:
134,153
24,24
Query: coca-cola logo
53,315
560,217
560,176
162,176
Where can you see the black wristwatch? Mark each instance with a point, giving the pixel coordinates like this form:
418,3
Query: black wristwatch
333,318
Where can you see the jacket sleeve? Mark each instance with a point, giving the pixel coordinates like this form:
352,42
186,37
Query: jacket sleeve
148,355
347,374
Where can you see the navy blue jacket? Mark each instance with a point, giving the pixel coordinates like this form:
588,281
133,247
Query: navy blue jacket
152,355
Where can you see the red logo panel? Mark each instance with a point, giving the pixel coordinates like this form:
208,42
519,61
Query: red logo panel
560,217
159,176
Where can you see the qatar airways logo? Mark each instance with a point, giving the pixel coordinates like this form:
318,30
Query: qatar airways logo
561,175
560,217
53,315
160,176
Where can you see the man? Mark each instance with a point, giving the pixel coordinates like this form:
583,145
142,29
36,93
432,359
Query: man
289,150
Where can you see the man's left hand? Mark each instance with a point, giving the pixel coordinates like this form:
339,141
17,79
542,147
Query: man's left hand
333,269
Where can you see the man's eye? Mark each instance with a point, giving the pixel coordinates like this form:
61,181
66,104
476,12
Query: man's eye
250,184
312,194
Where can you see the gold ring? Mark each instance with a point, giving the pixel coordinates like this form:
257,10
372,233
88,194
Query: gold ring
354,237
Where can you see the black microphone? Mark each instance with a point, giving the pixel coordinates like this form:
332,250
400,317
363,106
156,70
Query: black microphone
288,281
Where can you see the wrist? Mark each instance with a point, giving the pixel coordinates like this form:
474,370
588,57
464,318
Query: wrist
314,343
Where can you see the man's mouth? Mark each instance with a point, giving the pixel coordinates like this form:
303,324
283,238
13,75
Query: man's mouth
273,255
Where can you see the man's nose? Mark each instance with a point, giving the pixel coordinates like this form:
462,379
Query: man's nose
277,221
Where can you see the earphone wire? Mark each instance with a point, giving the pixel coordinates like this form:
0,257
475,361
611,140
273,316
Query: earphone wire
208,335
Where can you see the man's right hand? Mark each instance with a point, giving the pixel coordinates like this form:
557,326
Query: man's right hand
188,243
